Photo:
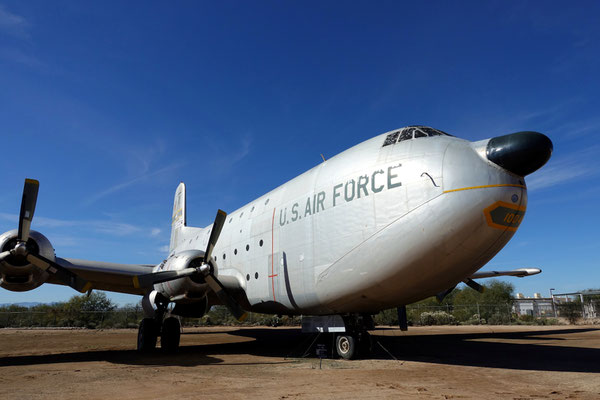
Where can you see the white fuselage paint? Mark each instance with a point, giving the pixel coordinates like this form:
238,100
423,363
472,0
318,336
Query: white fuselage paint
371,228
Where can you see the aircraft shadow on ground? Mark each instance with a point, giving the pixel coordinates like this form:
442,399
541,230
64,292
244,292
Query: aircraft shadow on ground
528,350
130,357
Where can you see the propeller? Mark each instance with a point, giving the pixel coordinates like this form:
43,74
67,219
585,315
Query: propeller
206,270
469,282
209,275
24,251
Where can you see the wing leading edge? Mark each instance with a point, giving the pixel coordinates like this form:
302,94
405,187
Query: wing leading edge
106,276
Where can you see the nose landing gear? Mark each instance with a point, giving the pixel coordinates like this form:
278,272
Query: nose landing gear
356,341
355,345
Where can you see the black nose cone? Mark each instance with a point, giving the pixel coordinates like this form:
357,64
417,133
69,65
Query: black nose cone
521,152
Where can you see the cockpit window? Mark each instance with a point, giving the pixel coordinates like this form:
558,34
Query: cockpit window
391,138
419,133
412,132
406,134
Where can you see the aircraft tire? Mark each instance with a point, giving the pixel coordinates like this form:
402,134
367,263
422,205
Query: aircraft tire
170,336
147,334
345,346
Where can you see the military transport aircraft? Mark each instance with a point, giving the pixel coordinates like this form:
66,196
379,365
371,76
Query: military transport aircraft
400,217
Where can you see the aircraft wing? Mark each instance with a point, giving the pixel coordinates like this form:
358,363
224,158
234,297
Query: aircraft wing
105,276
521,272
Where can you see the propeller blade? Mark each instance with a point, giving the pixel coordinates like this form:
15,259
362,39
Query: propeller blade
4,254
207,269
149,280
214,234
61,273
474,285
232,305
442,295
30,193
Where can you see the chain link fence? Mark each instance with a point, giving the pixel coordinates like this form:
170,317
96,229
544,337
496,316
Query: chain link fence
418,315
76,319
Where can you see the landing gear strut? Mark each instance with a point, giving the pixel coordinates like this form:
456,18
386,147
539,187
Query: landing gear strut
151,328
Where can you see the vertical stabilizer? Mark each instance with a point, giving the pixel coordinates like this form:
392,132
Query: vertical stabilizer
178,221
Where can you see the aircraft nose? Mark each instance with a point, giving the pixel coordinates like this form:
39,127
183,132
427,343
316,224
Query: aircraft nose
521,153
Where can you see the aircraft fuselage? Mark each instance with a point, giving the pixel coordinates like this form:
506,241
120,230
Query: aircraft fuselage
375,227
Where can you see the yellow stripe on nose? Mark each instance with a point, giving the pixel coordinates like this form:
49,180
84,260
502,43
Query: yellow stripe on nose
487,186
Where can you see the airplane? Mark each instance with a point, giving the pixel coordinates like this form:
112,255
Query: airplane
403,216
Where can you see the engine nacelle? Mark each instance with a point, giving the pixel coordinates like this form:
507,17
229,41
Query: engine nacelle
182,289
16,273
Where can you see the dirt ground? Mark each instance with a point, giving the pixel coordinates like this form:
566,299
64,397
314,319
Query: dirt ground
500,362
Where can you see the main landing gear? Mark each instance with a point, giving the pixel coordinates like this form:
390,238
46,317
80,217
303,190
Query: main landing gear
168,329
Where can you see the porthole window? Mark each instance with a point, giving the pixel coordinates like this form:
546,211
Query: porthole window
235,251
256,275
260,243
230,219
267,202
241,215
223,256
247,247
252,209
247,277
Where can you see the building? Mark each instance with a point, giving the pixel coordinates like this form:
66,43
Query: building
536,306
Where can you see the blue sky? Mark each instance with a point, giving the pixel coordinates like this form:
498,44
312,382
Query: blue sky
111,104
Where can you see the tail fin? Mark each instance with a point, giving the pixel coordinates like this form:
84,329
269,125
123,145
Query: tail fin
178,221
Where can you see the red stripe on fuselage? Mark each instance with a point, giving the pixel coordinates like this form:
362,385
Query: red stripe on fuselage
272,276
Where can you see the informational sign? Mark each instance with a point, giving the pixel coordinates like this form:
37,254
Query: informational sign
321,351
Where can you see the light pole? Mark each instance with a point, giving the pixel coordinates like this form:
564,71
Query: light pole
553,305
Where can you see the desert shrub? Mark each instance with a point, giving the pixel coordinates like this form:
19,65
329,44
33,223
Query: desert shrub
474,320
498,319
437,318
387,317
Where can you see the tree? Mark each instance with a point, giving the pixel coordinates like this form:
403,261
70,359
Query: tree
494,304
87,311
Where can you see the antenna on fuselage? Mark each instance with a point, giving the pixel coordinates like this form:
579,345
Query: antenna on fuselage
323,157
